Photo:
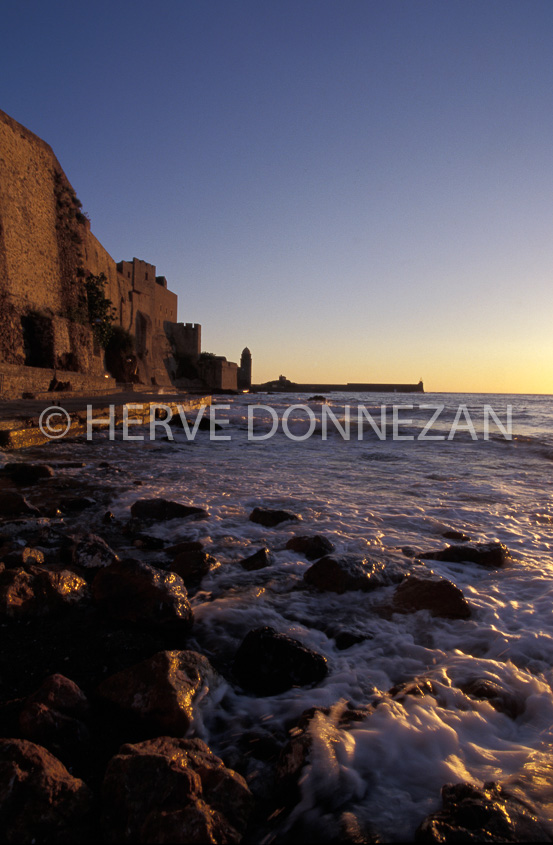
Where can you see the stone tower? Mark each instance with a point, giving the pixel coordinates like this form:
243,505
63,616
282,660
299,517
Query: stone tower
245,370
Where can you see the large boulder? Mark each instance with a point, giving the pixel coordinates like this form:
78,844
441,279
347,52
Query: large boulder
268,663
173,790
53,716
269,517
39,800
160,693
490,555
163,509
438,595
340,575
38,592
312,547
480,814
133,591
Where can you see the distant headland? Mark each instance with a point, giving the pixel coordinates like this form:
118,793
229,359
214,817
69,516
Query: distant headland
283,385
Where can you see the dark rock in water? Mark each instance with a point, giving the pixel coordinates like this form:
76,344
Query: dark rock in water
28,473
76,504
39,592
204,424
416,688
500,699
133,591
92,552
269,517
339,575
456,535
14,504
268,663
192,566
148,542
52,717
39,800
481,814
317,398
163,509
313,547
160,692
173,790
438,595
184,546
259,560
345,639
490,555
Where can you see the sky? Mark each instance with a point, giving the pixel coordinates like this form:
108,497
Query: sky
358,190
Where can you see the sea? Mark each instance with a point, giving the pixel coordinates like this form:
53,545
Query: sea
477,464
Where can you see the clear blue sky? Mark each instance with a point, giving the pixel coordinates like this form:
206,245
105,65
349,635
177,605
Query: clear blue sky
357,190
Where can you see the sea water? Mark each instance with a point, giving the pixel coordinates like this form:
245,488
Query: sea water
386,499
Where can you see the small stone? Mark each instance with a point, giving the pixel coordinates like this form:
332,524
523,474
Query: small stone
92,552
259,560
456,535
270,518
25,474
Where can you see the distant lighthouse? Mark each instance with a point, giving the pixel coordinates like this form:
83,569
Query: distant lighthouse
245,370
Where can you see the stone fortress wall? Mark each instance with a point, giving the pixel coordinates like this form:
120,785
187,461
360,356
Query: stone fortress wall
46,251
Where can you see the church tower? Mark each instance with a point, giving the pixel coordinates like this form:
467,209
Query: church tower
245,370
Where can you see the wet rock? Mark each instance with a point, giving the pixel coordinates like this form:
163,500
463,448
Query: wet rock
26,556
184,546
160,692
317,398
147,542
456,535
173,790
313,547
416,688
39,800
76,504
162,509
52,717
27,474
92,552
481,814
500,699
133,591
438,595
14,504
192,566
39,592
268,663
340,575
345,639
259,560
490,555
269,517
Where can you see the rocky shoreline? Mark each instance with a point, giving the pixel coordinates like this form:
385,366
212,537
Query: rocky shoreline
101,694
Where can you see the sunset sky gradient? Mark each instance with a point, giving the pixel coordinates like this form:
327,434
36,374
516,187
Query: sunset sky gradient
356,190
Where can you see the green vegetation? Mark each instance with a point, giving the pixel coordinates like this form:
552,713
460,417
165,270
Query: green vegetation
101,312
